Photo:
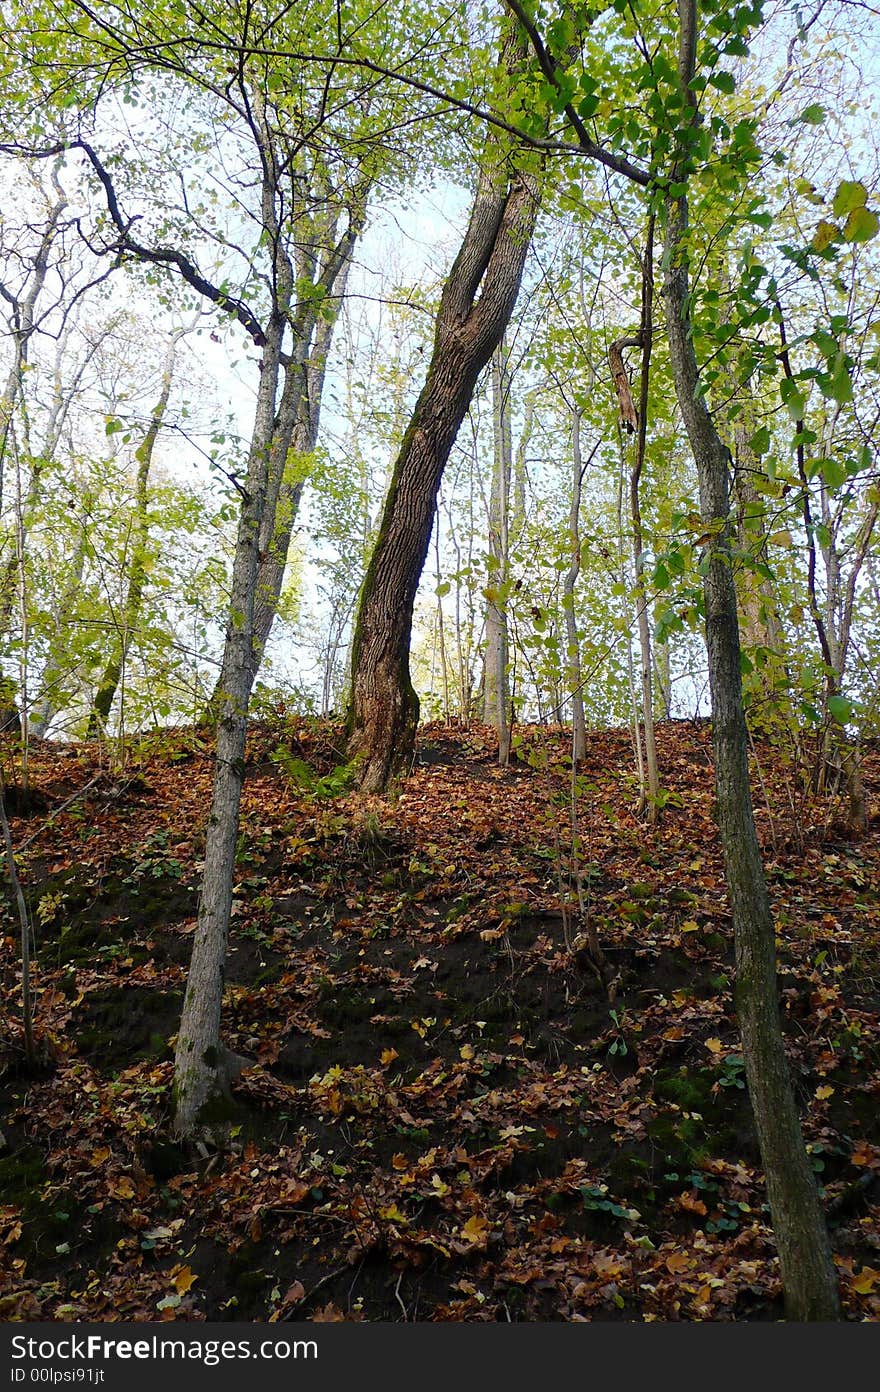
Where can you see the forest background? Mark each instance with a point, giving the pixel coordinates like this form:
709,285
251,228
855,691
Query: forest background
661,286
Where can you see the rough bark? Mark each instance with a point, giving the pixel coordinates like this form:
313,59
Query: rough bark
475,307
808,1274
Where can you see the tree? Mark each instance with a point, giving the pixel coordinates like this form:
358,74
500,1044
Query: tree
476,304
808,1275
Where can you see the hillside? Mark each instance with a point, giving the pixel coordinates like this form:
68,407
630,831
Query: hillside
447,1117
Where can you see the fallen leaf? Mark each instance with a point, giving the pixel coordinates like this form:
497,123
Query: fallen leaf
475,1229
678,1262
866,1281
184,1279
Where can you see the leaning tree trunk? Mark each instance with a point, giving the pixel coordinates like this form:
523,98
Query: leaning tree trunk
808,1274
475,308
112,674
200,1064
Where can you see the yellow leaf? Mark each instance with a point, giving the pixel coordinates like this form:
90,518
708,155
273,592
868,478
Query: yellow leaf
392,1214
689,926
439,1187
866,1281
864,1154
692,1204
123,1188
475,1229
823,1092
184,1279
825,234
714,1046
679,1261
466,1051
388,1056
99,1156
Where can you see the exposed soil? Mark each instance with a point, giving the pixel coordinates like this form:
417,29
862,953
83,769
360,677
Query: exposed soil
451,1114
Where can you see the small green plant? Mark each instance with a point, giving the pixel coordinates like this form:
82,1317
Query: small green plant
595,1198
618,1044
303,777
733,1072
50,905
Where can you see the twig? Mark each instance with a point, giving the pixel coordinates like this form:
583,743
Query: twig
26,1004
324,1281
80,792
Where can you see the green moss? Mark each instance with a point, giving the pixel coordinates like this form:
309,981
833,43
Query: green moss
218,1109
22,1177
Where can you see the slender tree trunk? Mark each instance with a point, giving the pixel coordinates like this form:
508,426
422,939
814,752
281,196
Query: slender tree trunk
652,769
475,307
496,688
202,1070
23,323
200,1065
572,638
110,677
274,546
808,1274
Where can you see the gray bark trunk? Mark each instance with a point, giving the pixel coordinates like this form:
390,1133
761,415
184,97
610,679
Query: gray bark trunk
808,1275
200,1076
496,687
573,647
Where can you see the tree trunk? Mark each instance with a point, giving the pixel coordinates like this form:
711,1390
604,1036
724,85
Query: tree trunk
646,333
475,308
106,692
201,1071
275,545
808,1274
200,1077
496,687
573,646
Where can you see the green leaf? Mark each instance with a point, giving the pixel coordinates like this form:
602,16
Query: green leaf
723,82
812,115
838,384
833,472
850,194
793,398
840,709
862,225
760,441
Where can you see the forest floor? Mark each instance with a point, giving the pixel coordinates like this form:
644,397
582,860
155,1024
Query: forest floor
447,1118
